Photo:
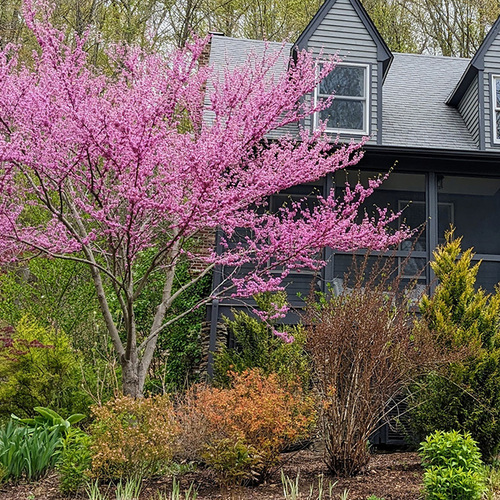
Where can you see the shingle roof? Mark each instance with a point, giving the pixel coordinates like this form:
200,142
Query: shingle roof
415,113
231,52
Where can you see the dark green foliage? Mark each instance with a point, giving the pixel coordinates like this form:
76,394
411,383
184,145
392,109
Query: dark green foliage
74,462
256,346
453,467
465,396
178,351
28,452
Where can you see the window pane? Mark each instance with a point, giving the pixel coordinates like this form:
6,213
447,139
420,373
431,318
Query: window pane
498,124
346,115
344,81
497,89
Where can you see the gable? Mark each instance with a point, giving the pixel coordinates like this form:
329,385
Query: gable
344,26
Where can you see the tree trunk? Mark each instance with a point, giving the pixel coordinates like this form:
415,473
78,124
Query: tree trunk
131,383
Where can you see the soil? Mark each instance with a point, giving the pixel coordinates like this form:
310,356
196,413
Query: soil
391,476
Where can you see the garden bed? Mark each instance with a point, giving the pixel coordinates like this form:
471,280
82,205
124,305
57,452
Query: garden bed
390,476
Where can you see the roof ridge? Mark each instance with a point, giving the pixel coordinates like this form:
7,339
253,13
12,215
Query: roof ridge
432,56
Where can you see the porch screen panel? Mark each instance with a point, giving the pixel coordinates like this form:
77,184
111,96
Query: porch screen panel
401,192
472,206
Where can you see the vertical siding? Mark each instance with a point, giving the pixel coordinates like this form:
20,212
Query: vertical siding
491,67
469,109
343,31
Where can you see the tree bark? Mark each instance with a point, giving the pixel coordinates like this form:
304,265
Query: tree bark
131,383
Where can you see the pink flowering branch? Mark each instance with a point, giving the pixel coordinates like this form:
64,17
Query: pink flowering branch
103,169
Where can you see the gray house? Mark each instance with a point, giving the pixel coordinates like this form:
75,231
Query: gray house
437,118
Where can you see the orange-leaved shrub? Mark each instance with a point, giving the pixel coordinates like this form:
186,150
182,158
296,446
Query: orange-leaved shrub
133,436
240,431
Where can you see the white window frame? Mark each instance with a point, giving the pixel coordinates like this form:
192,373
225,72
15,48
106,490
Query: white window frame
365,99
494,108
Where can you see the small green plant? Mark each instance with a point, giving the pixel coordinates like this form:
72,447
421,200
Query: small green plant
233,462
94,491
50,419
453,467
74,462
27,453
190,494
450,449
374,497
129,489
492,475
449,483
344,495
290,487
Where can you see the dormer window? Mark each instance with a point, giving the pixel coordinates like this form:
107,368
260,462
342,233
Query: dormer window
496,107
348,112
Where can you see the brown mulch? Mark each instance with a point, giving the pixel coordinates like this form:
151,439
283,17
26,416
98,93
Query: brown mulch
392,476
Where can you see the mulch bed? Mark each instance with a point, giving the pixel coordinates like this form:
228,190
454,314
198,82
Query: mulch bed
392,476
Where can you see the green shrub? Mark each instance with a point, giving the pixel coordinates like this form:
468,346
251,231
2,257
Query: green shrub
453,483
48,376
234,462
257,346
132,437
465,396
450,449
28,452
453,467
74,462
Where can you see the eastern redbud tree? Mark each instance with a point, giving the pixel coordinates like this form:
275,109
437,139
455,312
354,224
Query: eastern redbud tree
107,168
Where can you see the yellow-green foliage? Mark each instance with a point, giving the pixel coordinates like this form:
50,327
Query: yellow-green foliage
458,312
132,436
466,397
41,376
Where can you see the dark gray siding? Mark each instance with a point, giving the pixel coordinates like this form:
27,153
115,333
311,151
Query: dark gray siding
469,109
343,32
491,67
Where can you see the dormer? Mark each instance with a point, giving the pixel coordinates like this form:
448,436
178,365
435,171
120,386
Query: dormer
477,95
343,27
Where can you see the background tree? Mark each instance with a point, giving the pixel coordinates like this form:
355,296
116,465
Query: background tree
396,24
452,28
